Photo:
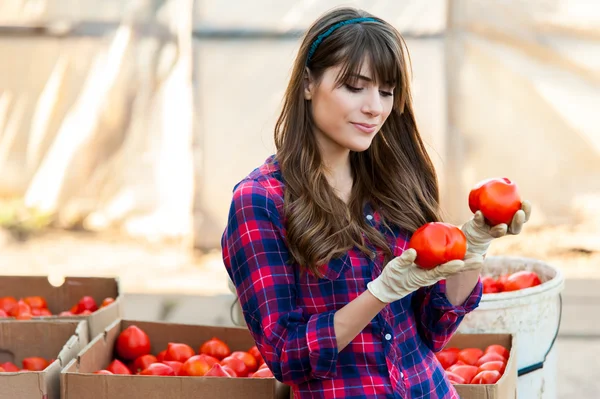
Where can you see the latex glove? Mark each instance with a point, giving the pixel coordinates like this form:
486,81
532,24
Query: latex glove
401,276
480,234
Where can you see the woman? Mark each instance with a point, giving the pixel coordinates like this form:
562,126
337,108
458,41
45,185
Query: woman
317,235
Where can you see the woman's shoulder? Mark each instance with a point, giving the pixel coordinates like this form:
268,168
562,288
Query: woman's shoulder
264,180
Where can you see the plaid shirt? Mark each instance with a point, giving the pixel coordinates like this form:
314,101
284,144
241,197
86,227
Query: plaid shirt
290,315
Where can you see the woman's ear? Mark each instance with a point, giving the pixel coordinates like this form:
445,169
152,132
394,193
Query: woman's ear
308,85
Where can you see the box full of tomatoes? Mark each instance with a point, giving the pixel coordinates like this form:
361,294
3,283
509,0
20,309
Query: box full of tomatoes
95,299
165,360
33,353
481,366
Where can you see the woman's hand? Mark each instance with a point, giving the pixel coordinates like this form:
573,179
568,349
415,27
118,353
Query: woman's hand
480,234
401,276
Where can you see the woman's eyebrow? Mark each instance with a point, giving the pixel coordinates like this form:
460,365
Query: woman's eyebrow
368,79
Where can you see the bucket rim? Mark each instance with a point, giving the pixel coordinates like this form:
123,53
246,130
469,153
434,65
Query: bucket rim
555,284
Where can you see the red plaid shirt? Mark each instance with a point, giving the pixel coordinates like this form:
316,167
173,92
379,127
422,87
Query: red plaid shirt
291,316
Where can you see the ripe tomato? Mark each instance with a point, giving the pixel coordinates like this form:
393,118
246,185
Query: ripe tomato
240,368
158,369
196,366
438,243
521,280
263,373
493,365
35,363
9,367
499,349
3,314
467,372
142,363
86,303
490,285
107,301
179,352
132,343
176,366
74,309
501,282
248,360
36,302
117,367
161,356
215,348
486,377
7,303
470,355
229,370
41,312
447,358
498,199
256,353
455,378
103,372
490,357
20,308
217,371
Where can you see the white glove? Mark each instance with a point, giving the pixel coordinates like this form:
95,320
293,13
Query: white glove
401,276
480,234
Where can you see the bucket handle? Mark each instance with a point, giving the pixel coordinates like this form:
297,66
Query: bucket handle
539,365
231,311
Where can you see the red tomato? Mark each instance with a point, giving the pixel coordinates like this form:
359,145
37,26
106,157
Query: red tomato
9,367
490,285
493,365
466,372
176,366
20,308
74,309
35,363
132,343
86,303
215,348
498,199
117,367
196,366
3,314
7,303
229,371
103,372
455,378
262,373
158,369
470,355
521,280
36,302
237,365
501,282
179,352
438,243
263,366
41,312
66,313
447,358
217,371
248,360
486,377
499,349
161,356
256,353
490,357
142,363
107,301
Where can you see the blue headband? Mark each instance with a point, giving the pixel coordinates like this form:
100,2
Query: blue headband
329,31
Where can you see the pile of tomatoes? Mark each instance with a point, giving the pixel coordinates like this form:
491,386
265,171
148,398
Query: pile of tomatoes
31,306
214,358
473,365
510,282
29,364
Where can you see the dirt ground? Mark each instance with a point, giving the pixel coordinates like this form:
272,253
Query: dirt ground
145,267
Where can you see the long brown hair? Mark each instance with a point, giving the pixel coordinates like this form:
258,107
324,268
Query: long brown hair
395,175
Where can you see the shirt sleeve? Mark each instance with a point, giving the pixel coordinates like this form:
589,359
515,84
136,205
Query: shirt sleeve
296,346
437,318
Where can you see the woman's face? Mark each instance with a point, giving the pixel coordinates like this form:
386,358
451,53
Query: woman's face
348,117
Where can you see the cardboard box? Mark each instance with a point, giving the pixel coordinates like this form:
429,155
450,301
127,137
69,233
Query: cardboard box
68,294
506,387
60,340
78,383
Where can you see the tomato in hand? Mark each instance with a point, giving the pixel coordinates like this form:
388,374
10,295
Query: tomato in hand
179,352
215,348
117,367
217,371
132,343
499,349
438,243
470,355
486,377
521,280
158,369
35,363
498,199
447,358
142,363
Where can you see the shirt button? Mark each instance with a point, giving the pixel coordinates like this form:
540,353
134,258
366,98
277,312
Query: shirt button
369,217
401,375
388,336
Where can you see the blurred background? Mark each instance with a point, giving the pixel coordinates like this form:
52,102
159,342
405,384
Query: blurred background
124,125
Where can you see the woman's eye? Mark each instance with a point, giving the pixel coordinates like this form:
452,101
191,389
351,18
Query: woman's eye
352,88
386,93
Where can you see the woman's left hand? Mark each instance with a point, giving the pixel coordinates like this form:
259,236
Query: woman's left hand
480,234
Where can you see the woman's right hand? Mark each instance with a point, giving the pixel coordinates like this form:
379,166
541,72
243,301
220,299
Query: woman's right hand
401,276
